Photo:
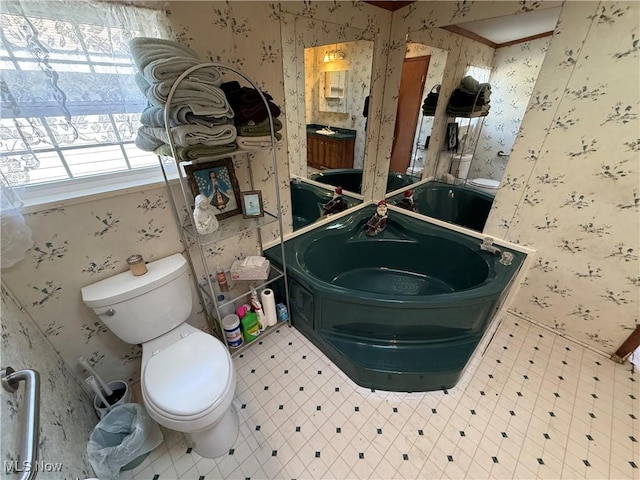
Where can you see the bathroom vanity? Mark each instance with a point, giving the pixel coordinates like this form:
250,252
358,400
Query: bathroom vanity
333,150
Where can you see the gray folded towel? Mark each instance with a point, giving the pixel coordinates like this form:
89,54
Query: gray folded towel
150,138
186,154
180,115
204,98
145,50
169,69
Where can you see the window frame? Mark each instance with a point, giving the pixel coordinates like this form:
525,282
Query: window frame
81,184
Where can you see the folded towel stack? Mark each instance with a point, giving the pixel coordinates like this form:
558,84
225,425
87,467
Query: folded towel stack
251,116
200,117
431,102
470,99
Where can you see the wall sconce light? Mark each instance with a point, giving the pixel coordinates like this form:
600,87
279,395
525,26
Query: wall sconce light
333,55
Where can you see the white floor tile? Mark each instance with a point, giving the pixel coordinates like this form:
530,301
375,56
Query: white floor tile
535,405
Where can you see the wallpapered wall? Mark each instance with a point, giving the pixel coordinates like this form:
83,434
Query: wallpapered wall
513,75
357,62
66,416
571,186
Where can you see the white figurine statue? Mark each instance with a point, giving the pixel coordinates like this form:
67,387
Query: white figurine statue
204,216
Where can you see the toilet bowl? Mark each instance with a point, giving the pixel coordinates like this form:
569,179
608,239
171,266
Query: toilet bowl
187,376
460,165
486,185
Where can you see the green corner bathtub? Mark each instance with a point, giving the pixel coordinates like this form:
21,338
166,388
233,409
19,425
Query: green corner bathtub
351,179
402,311
307,201
450,203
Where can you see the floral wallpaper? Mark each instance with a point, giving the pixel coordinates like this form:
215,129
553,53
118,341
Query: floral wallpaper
357,62
66,414
513,76
570,189
80,244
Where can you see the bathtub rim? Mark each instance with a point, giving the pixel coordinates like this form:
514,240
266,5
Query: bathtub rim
491,285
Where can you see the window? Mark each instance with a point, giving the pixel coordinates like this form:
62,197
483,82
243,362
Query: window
70,105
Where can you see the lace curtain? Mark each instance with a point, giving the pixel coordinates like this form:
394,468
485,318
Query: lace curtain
66,83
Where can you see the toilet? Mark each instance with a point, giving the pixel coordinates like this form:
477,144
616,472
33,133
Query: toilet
187,376
486,185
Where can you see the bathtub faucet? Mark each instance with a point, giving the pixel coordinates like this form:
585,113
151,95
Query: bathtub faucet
487,246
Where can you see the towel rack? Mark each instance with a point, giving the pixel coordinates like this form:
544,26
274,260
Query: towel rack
31,424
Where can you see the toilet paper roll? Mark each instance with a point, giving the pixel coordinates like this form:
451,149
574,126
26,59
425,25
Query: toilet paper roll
269,306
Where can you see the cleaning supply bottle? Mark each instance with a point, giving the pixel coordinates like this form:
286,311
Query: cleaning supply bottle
256,306
250,326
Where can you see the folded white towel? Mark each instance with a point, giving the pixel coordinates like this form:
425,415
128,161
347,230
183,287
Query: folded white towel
253,143
145,50
204,98
169,69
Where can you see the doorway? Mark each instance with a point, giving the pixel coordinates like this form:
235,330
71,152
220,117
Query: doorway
414,73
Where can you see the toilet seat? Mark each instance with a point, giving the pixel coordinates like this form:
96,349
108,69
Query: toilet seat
189,379
485,183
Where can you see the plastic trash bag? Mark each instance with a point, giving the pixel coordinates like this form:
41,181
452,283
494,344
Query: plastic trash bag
124,434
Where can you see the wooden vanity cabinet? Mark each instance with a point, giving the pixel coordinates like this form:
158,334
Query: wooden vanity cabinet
324,152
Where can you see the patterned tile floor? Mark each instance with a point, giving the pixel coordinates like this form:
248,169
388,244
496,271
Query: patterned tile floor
535,405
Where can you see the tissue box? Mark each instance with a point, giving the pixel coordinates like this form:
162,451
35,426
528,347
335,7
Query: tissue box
238,272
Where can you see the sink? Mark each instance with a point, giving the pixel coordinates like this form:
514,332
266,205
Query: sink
326,131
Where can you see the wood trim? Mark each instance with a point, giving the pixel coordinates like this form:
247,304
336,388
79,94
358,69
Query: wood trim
628,346
469,34
485,41
526,39
391,5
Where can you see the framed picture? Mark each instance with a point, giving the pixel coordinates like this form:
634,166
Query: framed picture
217,180
252,204
452,136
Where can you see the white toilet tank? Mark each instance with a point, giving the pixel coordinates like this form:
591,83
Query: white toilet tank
140,308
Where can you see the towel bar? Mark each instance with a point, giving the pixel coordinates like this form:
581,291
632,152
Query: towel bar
31,424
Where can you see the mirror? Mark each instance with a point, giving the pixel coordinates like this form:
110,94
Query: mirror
337,83
328,77
470,142
334,87
422,73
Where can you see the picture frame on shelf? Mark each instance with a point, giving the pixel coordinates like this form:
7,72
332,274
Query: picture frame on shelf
251,202
452,136
216,179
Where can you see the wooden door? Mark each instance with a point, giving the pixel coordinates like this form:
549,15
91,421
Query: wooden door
414,73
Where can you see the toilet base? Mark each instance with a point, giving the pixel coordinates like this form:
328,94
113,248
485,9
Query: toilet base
217,440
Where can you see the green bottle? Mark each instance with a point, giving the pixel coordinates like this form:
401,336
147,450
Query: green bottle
250,326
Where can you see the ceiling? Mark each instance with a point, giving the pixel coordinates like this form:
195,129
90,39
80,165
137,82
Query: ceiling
499,31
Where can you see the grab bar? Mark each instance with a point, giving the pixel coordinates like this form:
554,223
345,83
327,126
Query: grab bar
27,461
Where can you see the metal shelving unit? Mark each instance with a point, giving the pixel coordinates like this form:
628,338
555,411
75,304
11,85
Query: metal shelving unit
229,227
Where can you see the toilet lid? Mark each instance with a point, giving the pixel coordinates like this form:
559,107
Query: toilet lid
485,182
189,376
